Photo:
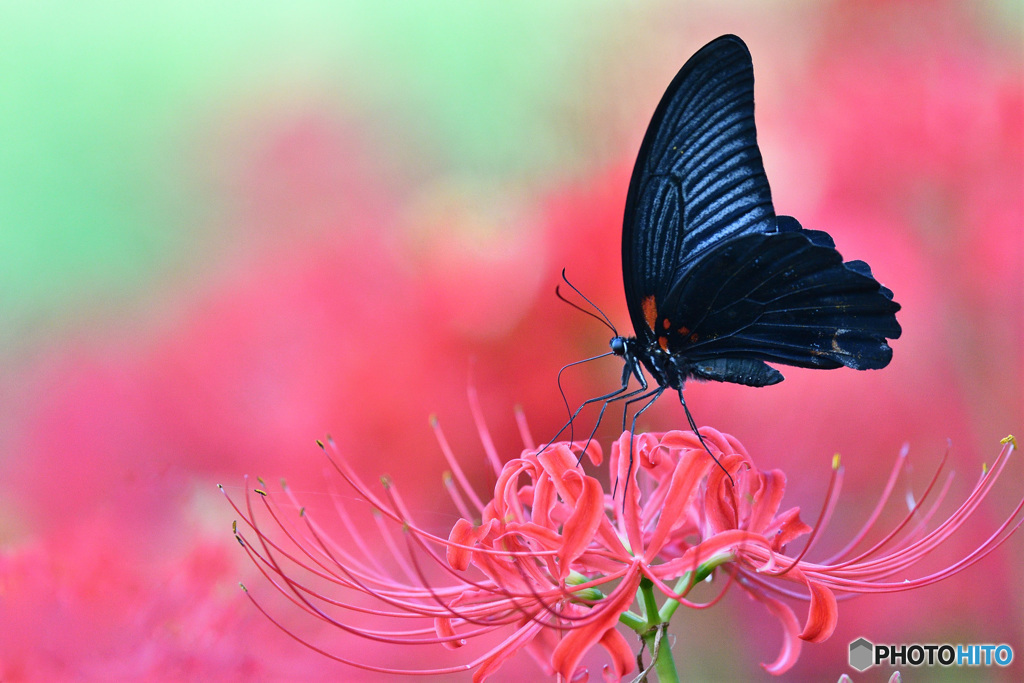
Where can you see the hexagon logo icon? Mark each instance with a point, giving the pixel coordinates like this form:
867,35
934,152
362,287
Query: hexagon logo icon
861,654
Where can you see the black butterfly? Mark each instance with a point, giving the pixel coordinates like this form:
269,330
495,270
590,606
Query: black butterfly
717,284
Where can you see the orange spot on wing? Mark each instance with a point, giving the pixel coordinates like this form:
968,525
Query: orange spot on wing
650,311
663,343
694,337
666,324
684,330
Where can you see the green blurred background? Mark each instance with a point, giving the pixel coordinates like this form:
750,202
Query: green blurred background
109,111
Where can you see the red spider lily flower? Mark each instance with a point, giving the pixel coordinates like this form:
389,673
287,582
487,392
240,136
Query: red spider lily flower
555,564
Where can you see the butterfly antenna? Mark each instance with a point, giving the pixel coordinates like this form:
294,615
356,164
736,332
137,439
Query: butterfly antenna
603,318
579,308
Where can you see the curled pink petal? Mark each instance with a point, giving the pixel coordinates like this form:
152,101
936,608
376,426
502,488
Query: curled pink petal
623,659
463,534
823,614
791,643
579,530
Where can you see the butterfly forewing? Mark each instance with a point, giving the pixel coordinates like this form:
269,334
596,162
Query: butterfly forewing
698,178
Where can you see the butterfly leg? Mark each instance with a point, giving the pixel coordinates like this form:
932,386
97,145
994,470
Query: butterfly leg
618,394
653,396
604,407
693,426
566,402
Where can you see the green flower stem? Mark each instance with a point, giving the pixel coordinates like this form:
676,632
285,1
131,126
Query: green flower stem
649,603
671,605
633,621
684,584
653,631
652,626
661,648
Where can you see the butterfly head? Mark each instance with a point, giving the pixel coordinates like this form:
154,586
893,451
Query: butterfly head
618,344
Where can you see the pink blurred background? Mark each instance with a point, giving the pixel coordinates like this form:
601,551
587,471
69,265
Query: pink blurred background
228,233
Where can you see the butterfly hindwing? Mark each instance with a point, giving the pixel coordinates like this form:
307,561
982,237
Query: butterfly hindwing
784,298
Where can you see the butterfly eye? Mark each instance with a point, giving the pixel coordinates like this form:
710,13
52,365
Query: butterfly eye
618,345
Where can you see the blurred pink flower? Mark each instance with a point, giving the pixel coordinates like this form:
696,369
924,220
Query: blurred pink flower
916,118
555,563
96,605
